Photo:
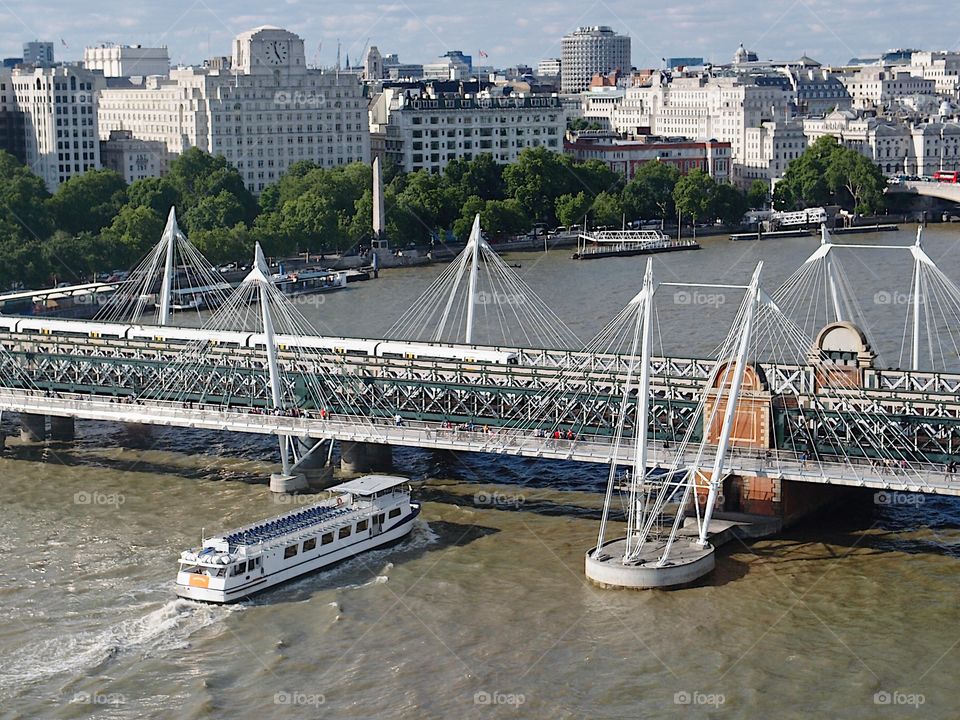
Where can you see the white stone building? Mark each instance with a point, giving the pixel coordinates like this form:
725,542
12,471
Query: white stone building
588,51
421,131
769,149
941,67
132,157
879,88
896,147
59,106
127,60
263,114
548,67
701,107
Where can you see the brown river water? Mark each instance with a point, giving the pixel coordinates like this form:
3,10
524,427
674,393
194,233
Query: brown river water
484,611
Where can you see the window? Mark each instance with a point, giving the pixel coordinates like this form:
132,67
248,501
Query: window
326,538
344,532
240,569
309,544
394,513
289,551
361,526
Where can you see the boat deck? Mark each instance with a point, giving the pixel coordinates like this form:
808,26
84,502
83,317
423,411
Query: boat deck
287,525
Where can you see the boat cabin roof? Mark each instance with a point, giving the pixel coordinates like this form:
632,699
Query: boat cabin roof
369,485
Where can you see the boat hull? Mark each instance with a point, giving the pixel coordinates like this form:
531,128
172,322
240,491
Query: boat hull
394,534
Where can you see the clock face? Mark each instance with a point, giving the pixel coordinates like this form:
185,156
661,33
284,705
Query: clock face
275,52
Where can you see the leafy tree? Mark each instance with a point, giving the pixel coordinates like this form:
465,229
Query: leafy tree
156,193
608,209
482,177
88,202
729,204
649,195
463,224
759,194
537,178
694,194
133,231
571,209
225,244
222,210
76,258
851,175
196,174
23,199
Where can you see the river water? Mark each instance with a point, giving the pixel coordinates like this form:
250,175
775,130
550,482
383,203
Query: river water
484,610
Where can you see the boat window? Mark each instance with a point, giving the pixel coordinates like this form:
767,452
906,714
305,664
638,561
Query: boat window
241,568
255,563
289,551
344,532
394,512
326,539
361,526
380,518
309,544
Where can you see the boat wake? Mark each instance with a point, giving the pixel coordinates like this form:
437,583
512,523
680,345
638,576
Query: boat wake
165,628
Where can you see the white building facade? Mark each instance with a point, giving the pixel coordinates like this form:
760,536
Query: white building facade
265,113
59,106
769,149
133,158
588,51
879,88
127,61
422,132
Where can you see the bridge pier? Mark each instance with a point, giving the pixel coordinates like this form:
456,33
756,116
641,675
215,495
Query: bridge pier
33,428
362,457
62,428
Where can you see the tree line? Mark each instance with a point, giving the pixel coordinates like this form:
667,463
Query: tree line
95,222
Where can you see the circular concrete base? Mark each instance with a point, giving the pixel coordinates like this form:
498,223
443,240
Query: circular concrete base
688,562
288,483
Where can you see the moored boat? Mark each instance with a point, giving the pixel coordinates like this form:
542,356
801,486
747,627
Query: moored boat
363,514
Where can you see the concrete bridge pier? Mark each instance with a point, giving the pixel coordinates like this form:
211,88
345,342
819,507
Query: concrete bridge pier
62,428
33,428
363,457
315,461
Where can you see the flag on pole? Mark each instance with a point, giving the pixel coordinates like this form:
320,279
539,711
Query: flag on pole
482,54
64,43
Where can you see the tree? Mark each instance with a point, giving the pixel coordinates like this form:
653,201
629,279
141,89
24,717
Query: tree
759,194
196,174
157,194
607,209
694,195
649,195
222,210
851,175
482,177
728,204
23,201
538,178
88,202
572,209
224,244
133,231
804,184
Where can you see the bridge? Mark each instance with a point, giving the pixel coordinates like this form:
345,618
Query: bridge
927,188
779,408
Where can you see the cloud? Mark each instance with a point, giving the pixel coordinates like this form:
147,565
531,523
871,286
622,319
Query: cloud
420,30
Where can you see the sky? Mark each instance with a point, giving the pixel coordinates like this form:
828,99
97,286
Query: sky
510,32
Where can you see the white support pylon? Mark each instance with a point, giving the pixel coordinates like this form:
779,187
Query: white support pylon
733,398
170,233
918,254
635,516
260,274
475,241
831,273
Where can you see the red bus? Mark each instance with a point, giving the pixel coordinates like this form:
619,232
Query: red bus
945,177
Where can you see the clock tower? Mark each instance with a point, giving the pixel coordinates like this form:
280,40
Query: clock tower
266,49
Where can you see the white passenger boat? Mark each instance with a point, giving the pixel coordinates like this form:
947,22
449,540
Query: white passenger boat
364,514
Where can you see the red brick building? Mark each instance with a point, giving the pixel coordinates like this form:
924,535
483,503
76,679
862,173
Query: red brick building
627,155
